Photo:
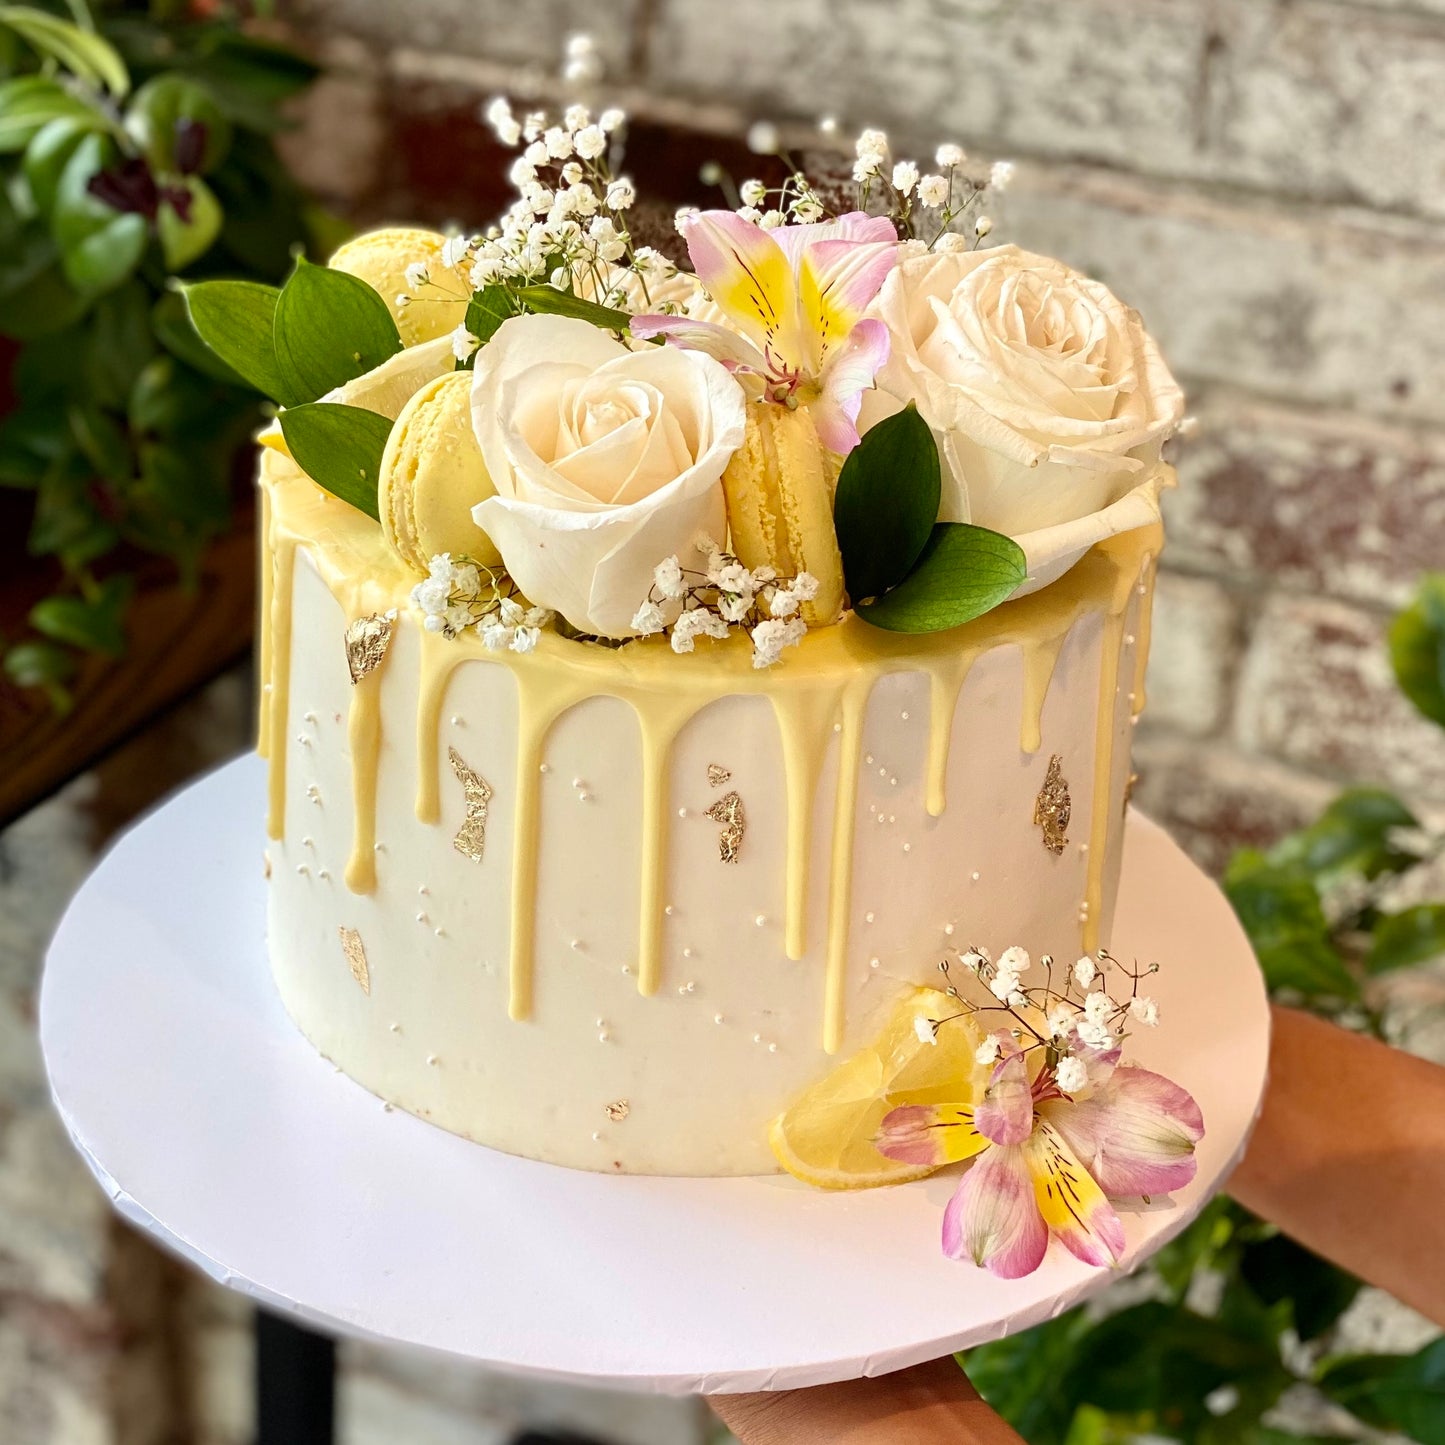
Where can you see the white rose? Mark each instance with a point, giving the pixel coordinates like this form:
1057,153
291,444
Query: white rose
605,460
1049,399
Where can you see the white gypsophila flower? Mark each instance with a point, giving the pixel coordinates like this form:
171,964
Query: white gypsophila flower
1073,1075
763,138
612,119
925,1031
982,226
1061,1021
771,220
752,193
1015,959
667,578
750,213
558,143
865,168
440,567
538,617
434,622
1098,1007
735,608
933,191
1001,173
579,43
506,126
536,153
534,125
463,343
485,270
949,155
973,960
807,210
682,219
951,241
576,116
522,172
573,174
734,578
988,1051
456,617
871,143
1095,1035
466,578
417,275
583,69
782,603
804,587
1085,971
590,142
905,177
648,619
402,300
511,611
621,194
771,636
455,248
525,639
495,637
1003,984
1144,1010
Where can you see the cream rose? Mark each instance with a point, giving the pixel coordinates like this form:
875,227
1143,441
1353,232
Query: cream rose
605,460
1049,399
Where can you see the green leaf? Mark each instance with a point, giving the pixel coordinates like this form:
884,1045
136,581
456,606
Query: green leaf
31,102
887,503
552,302
1414,935
86,55
99,247
1417,648
329,328
46,156
235,320
1280,909
35,298
1277,1269
962,573
94,624
185,241
42,665
1393,1392
486,311
101,442
171,323
1352,835
339,448
161,108
115,344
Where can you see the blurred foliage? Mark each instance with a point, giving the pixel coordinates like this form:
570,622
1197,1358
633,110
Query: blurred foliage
135,147
1237,1314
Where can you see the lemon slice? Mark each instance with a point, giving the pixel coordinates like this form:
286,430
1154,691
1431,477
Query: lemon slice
385,389
826,1138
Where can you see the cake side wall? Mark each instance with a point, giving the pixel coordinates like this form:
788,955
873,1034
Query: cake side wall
685,1081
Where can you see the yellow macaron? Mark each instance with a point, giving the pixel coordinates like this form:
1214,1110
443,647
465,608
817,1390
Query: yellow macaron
380,258
432,475
779,488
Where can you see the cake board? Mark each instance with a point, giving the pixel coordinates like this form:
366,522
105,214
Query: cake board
217,1129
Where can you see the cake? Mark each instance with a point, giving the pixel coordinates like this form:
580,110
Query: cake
667,666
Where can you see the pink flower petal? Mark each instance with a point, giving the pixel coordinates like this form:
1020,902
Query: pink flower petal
735,351
929,1134
993,1217
747,275
1070,1201
847,373
1136,1134
851,226
1006,1112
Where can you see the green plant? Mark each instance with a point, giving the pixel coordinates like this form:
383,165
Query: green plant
135,146
1238,1313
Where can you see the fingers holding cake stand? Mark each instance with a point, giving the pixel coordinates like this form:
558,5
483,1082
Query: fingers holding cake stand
215,1127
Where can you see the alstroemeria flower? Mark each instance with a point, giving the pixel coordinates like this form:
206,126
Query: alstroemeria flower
1047,1163
795,298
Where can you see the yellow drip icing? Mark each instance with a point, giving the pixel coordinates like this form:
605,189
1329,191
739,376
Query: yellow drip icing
1144,630
263,651
827,681
363,733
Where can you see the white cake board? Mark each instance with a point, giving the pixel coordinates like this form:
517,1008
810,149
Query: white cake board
215,1127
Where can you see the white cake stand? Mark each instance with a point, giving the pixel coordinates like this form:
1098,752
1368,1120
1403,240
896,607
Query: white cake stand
215,1127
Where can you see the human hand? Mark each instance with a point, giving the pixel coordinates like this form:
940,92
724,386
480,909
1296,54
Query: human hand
932,1404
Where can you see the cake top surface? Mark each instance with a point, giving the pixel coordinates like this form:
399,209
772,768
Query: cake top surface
802,414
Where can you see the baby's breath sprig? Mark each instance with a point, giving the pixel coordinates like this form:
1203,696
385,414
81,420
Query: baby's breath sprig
1074,1020
462,593
726,595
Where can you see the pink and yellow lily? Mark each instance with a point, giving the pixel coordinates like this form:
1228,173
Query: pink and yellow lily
1046,1162
794,297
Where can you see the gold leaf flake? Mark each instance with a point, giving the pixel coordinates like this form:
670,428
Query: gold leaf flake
366,642
717,775
728,810
619,1111
1053,807
471,839
355,951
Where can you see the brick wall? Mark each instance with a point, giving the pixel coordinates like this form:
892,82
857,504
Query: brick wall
1264,179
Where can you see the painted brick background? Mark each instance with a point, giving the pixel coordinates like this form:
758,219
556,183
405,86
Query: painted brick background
1264,179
